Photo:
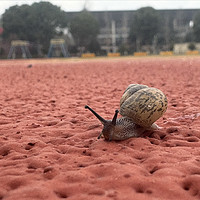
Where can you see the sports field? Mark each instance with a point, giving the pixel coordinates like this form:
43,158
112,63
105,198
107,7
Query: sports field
48,141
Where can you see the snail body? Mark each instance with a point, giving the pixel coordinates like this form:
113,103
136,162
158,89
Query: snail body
140,107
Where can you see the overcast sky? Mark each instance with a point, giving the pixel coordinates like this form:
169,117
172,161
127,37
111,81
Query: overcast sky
99,5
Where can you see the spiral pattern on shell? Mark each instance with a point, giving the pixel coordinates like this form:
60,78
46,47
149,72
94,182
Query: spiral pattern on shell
143,104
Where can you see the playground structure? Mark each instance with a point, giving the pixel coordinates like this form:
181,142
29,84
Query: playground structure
55,44
21,44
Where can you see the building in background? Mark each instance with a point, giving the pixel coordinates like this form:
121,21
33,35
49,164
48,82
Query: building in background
115,27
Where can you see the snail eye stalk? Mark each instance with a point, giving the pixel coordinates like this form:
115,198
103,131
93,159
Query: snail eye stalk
101,119
115,117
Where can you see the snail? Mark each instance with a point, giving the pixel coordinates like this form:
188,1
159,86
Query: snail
140,107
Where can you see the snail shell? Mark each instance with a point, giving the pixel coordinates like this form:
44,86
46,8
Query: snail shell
143,104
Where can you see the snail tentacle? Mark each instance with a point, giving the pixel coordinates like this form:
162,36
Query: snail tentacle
100,135
115,117
101,119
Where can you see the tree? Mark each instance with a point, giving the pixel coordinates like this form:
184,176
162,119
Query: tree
145,26
36,23
191,46
84,28
196,27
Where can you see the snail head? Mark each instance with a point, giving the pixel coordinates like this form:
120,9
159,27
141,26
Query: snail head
108,125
